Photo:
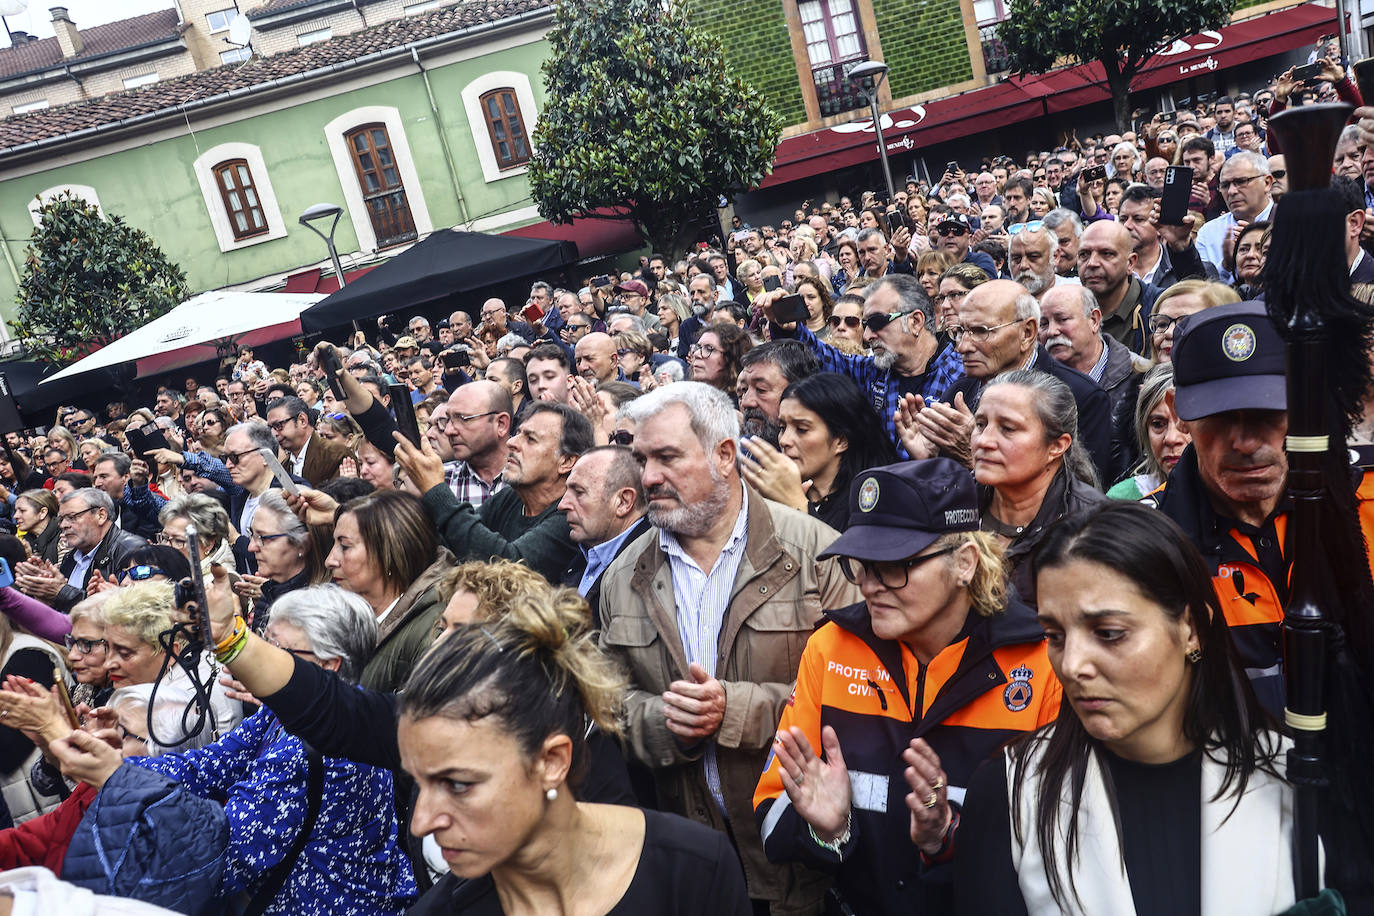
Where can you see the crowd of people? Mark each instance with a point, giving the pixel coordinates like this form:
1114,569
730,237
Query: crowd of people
918,555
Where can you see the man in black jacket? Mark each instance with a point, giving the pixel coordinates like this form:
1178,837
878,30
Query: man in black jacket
999,324
604,504
87,518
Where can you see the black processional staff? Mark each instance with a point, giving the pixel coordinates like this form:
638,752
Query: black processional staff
1325,629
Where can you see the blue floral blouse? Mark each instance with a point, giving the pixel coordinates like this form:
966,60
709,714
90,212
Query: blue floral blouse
353,864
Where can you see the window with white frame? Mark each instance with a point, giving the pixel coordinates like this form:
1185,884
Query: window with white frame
31,106
238,196
235,55
145,79
78,191
310,38
501,115
219,20
381,188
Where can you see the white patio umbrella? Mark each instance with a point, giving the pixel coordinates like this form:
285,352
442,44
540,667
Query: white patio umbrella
192,332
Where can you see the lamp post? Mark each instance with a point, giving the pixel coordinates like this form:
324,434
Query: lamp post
319,212
868,76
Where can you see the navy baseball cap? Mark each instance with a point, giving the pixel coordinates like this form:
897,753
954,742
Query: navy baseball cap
1228,357
899,510
954,219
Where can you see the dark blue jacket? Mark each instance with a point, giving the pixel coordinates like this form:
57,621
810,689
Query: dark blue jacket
147,837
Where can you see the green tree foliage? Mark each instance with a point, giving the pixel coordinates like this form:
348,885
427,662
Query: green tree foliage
644,121
1122,34
89,280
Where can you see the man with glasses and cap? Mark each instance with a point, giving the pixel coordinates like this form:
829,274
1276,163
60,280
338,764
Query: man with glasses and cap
634,295
906,693
899,328
956,235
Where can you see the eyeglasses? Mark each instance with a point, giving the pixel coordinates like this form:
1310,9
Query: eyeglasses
139,573
126,735
892,575
1229,183
1278,173
469,417
236,457
278,425
255,538
627,351
706,350
302,653
84,646
952,230
849,321
1034,225
73,516
954,296
876,323
622,437
978,333
172,540
1161,323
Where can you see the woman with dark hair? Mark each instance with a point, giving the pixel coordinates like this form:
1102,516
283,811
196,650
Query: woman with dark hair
211,427
830,434
386,550
816,295
1252,248
1158,789
493,730
717,354
15,473
847,255
35,512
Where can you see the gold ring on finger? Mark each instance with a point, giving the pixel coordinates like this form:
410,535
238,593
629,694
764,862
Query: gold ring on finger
939,784
933,800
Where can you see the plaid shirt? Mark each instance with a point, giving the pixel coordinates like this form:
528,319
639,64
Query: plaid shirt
944,369
468,486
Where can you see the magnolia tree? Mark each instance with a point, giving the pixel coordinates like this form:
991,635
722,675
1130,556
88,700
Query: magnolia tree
88,280
1123,35
644,122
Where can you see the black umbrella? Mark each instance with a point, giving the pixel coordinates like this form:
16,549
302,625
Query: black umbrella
445,263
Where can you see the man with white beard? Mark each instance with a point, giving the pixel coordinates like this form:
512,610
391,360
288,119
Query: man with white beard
898,323
1030,259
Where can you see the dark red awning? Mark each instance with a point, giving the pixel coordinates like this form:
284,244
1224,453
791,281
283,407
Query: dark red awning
1016,99
314,281
593,237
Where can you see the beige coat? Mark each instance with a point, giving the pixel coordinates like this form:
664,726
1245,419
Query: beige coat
780,592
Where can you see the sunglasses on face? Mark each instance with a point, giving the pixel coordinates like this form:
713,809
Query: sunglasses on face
876,323
622,437
850,321
952,230
140,573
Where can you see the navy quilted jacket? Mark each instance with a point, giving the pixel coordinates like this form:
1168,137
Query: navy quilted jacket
148,838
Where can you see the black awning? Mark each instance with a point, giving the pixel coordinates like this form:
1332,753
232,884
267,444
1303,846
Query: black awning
445,263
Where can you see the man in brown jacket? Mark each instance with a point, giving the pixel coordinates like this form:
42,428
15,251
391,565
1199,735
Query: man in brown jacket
302,452
709,613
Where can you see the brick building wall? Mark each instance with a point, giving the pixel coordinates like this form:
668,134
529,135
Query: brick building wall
754,40
923,44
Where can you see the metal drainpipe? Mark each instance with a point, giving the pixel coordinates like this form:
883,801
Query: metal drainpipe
443,137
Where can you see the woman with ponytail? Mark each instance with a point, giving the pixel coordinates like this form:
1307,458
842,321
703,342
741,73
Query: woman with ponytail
493,731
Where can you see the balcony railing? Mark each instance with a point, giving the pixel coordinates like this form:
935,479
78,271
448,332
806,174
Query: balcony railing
995,56
834,92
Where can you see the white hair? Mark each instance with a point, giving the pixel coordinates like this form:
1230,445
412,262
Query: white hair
713,416
1027,306
337,623
1260,163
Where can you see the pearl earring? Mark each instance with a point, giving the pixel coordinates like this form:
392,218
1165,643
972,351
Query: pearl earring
551,794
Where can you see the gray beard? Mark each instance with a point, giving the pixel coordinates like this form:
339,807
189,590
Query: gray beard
1034,283
884,360
696,519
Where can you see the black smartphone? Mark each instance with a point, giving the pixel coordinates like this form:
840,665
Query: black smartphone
329,362
1307,72
603,280
143,439
771,283
1168,117
1364,76
1178,187
789,309
405,413
456,359
1095,173
952,167
896,219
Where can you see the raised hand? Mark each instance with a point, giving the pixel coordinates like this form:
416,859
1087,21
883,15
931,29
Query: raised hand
817,787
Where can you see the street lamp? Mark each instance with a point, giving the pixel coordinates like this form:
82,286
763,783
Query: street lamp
868,76
323,211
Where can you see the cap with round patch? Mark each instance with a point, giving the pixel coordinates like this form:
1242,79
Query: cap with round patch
898,510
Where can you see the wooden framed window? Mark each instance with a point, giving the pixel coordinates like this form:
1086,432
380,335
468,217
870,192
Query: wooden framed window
240,197
505,127
834,43
384,194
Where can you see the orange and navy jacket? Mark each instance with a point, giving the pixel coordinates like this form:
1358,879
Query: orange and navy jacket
1250,570
990,684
